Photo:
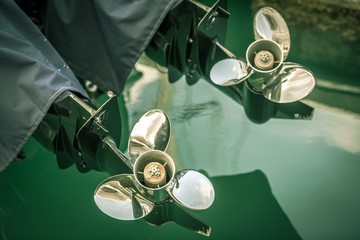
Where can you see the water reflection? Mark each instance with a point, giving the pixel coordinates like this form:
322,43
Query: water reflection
246,206
211,132
338,130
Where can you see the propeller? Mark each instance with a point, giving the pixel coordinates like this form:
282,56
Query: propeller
154,179
152,131
264,68
118,197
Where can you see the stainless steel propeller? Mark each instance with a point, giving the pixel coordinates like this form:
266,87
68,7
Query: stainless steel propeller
154,179
264,68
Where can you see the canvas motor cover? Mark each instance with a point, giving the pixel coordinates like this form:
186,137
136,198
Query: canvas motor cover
32,76
102,40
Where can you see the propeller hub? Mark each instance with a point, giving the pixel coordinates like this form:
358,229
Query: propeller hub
146,168
264,56
154,175
264,60
154,171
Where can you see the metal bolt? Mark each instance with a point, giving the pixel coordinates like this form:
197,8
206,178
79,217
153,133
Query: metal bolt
264,60
264,56
110,93
211,21
91,87
83,164
154,171
154,175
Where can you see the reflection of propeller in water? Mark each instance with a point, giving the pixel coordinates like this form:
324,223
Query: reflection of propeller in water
154,180
281,82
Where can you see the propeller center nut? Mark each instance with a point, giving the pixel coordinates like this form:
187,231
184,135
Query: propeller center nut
264,60
154,171
154,175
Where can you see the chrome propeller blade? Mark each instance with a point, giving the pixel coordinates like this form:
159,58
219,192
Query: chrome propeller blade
151,132
270,25
291,83
229,72
193,190
117,197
